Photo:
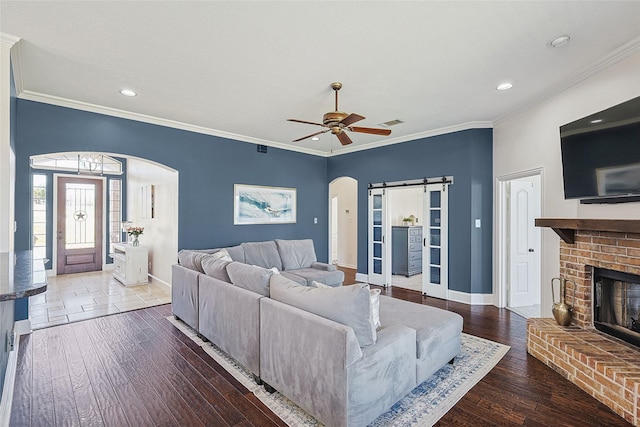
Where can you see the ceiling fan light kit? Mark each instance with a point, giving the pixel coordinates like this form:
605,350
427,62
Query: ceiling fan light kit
337,122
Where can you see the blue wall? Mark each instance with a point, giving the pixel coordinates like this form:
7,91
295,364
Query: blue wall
467,156
208,168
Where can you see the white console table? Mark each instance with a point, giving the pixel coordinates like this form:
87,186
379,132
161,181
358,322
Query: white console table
131,264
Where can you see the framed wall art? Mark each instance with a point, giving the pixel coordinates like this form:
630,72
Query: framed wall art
256,204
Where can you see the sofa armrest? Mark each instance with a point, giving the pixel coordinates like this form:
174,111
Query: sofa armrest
306,358
323,266
184,294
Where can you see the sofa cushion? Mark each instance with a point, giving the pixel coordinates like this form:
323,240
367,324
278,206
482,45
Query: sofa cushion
348,305
262,254
250,277
331,278
296,254
192,259
299,280
236,253
217,267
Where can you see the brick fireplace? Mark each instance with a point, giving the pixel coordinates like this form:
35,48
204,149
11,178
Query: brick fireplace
604,366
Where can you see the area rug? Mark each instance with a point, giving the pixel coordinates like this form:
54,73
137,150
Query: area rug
424,406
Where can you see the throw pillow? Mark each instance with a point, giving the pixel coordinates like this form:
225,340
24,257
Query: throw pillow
250,277
348,305
192,259
217,267
375,308
316,284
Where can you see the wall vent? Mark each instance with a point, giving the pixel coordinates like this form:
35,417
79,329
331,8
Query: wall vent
262,148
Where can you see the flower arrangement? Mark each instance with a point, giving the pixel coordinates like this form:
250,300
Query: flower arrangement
135,231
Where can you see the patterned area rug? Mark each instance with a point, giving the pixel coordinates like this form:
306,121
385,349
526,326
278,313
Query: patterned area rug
424,406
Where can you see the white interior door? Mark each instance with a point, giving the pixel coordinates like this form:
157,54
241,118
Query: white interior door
435,276
334,230
378,257
524,243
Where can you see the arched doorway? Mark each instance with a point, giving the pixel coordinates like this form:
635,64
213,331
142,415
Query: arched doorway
343,222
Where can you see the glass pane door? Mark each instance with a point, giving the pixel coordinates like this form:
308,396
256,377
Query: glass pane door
80,215
377,249
434,254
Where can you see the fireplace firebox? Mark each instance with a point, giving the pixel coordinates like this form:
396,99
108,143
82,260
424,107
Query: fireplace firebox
616,304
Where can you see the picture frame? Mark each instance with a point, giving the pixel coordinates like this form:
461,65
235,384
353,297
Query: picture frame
257,204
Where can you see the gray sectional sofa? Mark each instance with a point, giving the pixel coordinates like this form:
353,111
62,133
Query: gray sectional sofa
318,345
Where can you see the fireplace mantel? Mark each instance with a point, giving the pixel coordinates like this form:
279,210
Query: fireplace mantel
566,227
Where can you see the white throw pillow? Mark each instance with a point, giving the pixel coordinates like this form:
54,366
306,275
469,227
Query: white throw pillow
375,307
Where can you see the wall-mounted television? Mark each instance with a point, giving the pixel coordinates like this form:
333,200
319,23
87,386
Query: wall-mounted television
601,155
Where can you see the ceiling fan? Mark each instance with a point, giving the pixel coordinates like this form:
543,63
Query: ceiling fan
338,122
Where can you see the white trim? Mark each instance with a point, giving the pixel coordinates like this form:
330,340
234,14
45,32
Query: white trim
22,327
425,134
9,39
9,383
471,299
348,266
158,281
500,234
108,267
114,112
612,58
361,277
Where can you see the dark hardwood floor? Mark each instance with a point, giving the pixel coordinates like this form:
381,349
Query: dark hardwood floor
136,369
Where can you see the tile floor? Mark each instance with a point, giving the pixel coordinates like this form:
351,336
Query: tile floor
73,297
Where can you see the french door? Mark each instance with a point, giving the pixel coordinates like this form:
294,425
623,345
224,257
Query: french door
79,225
435,209
379,260
434,241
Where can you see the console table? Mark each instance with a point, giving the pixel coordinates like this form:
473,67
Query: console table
131,264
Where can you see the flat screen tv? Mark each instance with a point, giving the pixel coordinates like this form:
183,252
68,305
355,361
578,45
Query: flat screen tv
601,155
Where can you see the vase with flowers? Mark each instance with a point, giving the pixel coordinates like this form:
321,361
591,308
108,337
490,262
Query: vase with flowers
135,232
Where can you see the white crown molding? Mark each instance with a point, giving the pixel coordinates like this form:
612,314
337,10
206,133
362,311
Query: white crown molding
413,137
612,58
16,64
8,39
114,112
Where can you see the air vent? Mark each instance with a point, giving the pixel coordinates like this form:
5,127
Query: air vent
262,148
391,123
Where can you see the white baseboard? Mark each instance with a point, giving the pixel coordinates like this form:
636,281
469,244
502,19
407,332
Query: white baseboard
9,380
361,277
471,299
355,267
108,267
22,327
157,281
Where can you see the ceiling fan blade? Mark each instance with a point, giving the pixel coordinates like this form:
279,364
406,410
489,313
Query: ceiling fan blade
344,138
304,121
372,131
309,136
351,118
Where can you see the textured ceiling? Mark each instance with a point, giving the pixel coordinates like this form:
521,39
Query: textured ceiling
240,69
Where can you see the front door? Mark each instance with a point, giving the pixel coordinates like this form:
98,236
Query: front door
524,276
79,225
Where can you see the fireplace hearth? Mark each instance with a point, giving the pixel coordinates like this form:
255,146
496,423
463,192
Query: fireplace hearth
616,304
599,351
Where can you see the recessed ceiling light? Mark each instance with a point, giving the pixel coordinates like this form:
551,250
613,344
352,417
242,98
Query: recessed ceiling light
504,86
560,41
128,92
596,121
315,138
